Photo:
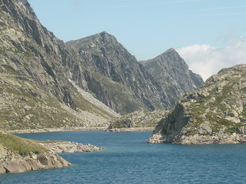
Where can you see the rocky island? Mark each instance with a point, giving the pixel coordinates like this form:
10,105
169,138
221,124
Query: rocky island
212,114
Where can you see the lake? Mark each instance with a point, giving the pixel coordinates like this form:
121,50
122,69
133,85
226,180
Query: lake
127,158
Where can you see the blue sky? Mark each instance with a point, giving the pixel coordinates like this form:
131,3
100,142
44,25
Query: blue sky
206,33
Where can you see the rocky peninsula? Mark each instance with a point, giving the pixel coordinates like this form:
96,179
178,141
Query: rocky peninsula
212,114
22,155
70,147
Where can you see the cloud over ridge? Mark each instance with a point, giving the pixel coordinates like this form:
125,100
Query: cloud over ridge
207,60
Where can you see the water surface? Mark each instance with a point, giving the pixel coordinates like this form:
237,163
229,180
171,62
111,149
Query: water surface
127,158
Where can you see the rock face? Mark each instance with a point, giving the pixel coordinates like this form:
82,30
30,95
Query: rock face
36,76
136,121
173,75
12,163
115,76
213,114
117,79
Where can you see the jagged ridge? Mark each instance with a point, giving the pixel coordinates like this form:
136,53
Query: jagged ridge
173,75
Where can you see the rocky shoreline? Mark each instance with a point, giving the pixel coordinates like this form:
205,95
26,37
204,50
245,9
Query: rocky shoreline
11,162
14,163
141,129
201,139
70,147
63,129
72,129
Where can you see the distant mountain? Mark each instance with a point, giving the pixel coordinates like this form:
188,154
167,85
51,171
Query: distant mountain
118,80
212,114
115,76
173,75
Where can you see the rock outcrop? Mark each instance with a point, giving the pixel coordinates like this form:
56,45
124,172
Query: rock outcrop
12,163
22,155
212,114
70,147
136,121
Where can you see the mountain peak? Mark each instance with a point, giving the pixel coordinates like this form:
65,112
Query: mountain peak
170,50
106,37
104,33
171,71
170,53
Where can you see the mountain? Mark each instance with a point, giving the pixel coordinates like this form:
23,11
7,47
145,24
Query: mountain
124,84
115,77
35,79
212,114
173,75
46,83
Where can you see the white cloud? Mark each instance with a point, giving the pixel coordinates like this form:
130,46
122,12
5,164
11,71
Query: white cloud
207,60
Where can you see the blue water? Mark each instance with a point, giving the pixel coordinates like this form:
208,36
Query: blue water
127,158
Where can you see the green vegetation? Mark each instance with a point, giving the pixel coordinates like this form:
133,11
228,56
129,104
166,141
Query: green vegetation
19,145
138,119
121,124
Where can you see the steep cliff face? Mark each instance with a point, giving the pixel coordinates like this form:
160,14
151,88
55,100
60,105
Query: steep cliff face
115,76
35,67
173,75
212,114
117,79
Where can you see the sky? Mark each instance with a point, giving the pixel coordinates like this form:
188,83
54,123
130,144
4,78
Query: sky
208,34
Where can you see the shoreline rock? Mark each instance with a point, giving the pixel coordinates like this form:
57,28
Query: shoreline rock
22,155
70,147
14,163
63,129
201,139
72,129
212,114
141,129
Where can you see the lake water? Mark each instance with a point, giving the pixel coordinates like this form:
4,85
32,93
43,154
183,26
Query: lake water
127,158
